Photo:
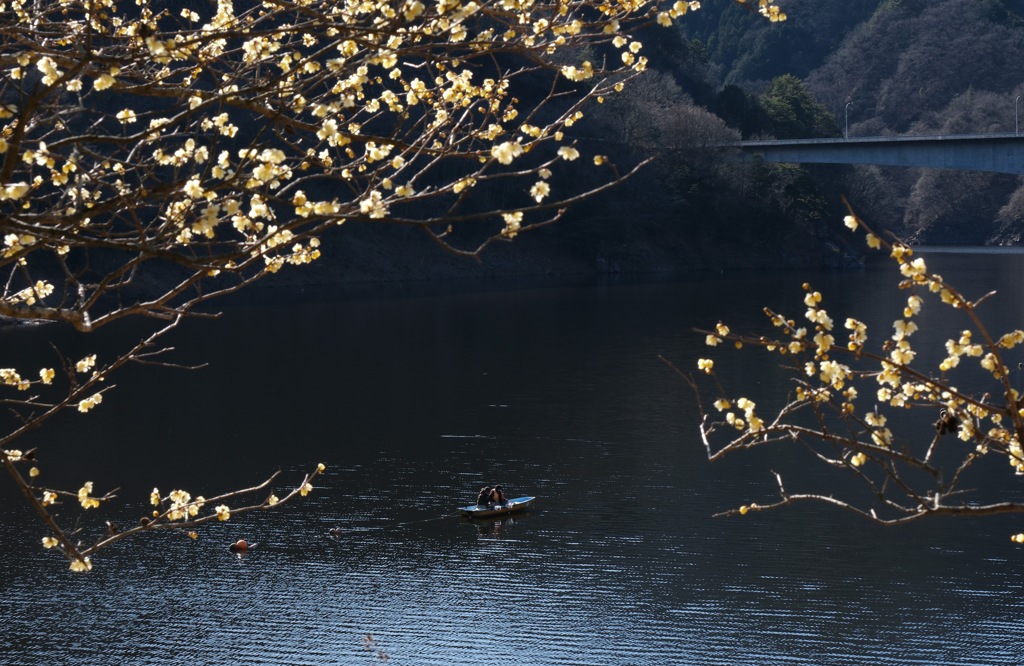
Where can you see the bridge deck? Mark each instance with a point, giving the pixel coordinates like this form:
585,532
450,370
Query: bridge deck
1000,153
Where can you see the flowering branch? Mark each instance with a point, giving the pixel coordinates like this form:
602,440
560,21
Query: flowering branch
830,377
153,159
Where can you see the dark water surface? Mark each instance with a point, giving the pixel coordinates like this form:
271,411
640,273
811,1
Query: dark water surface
414,398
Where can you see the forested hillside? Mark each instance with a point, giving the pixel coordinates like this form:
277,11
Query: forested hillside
904,67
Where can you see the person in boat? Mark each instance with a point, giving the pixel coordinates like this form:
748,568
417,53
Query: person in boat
484,497
497,497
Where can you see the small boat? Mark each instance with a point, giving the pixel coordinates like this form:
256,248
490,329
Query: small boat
487,510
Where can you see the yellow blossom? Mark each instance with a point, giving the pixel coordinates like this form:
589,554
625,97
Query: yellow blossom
1011,340
914,269
103,81
82,565
824,342
913,306
902,354
506,152
834,373
568,153
859,334
540,190
223,512
904,329
882,437
513,223
84,498
86,363
90,402
990,363
900,251
875,419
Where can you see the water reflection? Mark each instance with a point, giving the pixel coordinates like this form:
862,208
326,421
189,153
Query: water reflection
414,402
497,528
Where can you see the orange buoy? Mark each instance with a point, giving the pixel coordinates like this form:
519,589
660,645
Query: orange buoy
241,544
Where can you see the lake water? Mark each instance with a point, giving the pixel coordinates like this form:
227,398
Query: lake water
414,397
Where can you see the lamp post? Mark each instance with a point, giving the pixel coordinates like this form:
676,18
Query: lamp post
846,130
1016,115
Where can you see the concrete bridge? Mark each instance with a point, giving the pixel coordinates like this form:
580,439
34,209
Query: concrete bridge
999,153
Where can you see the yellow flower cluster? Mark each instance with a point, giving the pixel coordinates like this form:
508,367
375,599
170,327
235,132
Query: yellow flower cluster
858,334
31,295
182,505
81,565
513,223
85,498
748,422
880,434
86,364
817,315
823,379
10,377
86,404
964,346
1016,453
264,116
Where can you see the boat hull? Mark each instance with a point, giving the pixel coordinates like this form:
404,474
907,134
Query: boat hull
512,506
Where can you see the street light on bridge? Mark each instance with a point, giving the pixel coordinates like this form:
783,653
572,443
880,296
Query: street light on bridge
846,129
